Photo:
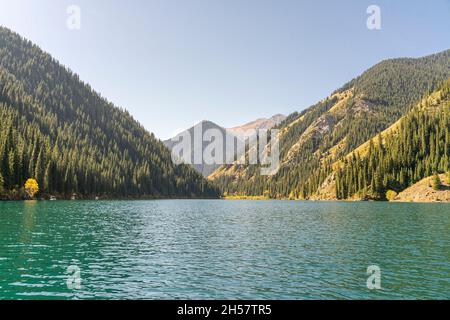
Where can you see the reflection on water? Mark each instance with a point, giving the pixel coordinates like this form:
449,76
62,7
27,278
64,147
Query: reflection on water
223,249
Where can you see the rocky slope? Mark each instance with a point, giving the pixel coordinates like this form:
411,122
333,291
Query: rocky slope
422,191
259,124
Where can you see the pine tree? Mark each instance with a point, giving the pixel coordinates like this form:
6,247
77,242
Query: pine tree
436,182
2,182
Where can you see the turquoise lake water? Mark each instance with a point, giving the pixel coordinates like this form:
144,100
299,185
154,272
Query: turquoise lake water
213,249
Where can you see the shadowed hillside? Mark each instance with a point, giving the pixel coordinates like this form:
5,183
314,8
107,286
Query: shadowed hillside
56,129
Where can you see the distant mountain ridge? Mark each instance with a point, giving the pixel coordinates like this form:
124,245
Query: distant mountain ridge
238,133
203,126
258,124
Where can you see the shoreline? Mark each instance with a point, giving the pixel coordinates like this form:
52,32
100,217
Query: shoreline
227,198
143,198
261,198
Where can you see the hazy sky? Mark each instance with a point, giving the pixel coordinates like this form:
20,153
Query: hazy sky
174,63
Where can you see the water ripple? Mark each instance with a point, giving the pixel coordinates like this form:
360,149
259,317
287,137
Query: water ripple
223,250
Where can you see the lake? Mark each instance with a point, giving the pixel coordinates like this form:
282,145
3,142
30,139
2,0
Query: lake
217,249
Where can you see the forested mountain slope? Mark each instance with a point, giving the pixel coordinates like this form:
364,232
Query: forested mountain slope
311,141
56,129
416,147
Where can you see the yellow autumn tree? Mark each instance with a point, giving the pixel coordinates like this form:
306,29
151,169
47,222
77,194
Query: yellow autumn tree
391,195
31,188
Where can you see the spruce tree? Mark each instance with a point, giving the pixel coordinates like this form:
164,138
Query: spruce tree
2,182
436,182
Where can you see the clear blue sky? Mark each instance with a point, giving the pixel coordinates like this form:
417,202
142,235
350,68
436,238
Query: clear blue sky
174,63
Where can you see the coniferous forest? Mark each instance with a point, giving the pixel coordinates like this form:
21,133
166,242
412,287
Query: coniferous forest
56,129
314,140
418,147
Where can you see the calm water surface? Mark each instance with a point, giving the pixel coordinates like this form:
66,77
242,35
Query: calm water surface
223,249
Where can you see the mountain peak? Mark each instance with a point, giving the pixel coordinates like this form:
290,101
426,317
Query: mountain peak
258,124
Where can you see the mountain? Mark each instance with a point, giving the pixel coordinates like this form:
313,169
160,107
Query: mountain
415,147
239,133
199,148
57,129
259,124
313,140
